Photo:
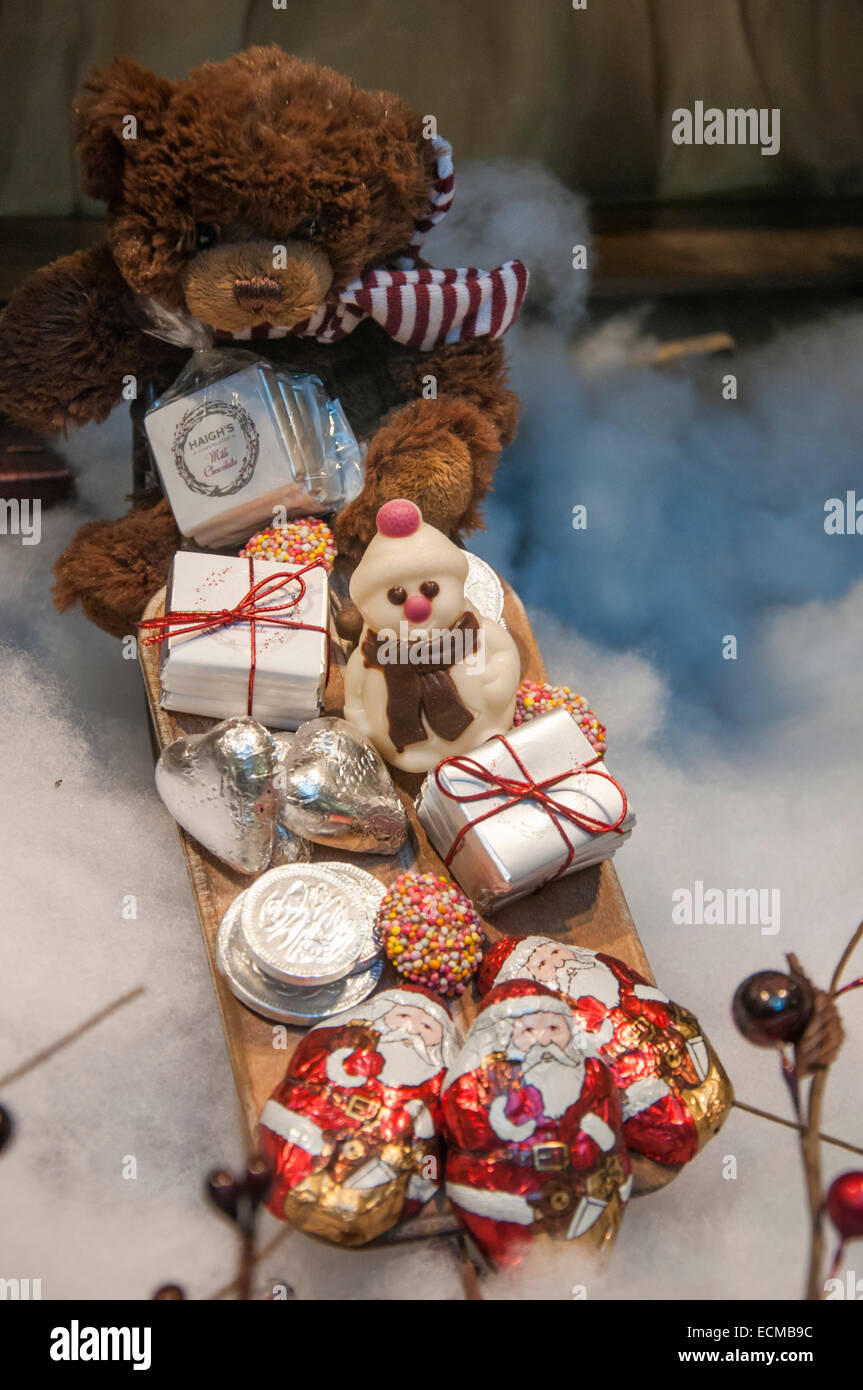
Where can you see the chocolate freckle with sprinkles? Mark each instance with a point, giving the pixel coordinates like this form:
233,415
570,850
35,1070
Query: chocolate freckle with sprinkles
299,542
537,697
430,932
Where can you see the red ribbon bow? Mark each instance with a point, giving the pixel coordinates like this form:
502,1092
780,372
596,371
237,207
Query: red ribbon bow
527,788
251,609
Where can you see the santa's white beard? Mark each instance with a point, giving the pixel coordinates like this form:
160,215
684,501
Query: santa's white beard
557,1078
575,980
408,1061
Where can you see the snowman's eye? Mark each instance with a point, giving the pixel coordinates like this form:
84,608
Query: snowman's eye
397,596
430,589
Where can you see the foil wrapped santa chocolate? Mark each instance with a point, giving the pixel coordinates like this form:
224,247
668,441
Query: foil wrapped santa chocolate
242,637
352,1133
535,1147
522,809
674,1092
237,442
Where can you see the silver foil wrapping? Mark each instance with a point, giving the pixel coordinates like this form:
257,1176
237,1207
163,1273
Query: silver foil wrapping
335,790
220,787
484,588
520,848
305,924
274,999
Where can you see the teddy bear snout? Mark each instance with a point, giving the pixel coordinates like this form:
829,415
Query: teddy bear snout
240,283
256,293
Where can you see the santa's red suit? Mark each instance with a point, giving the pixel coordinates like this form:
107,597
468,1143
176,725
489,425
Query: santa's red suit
352,1132
674,1093
533,1129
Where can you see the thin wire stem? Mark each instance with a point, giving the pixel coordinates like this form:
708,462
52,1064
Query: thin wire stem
792,1124
53,1048
257,1257
810,1148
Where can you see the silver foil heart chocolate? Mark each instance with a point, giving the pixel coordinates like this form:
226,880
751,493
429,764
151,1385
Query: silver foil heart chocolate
289,848
334,789
220,786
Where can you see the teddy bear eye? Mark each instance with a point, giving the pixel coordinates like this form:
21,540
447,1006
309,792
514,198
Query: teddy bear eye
206,235
397,596
430,589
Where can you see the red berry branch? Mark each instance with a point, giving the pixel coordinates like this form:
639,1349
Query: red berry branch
845,1209
6,1127
239,1198
785,1010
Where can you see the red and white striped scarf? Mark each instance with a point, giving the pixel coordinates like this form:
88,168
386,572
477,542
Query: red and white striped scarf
420,307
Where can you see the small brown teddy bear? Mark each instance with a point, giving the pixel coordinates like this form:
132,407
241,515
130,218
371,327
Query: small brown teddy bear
210,175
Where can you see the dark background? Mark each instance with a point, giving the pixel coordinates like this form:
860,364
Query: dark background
589,93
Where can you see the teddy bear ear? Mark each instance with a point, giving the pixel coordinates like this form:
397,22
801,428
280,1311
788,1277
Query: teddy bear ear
116,107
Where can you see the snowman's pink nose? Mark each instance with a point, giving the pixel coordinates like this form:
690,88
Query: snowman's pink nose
417,608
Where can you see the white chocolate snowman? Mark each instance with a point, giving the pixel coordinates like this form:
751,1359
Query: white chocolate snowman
430,676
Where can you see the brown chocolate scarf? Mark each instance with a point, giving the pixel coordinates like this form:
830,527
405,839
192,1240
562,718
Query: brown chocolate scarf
419,683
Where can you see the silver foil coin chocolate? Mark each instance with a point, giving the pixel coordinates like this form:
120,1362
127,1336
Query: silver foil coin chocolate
483,588
271,998
370,892
304,924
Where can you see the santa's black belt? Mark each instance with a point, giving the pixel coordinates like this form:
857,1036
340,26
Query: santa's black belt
551,1157
355,1106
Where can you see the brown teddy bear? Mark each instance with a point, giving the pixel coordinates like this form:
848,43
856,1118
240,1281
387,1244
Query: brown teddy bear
209,176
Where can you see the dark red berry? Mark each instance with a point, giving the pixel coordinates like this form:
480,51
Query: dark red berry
771,1008
223,1191
845,1204
169,1293
259,1180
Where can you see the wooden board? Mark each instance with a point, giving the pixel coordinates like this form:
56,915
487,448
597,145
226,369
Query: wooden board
587,907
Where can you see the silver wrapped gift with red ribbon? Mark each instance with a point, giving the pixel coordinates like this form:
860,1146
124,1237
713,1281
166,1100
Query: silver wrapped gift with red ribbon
523,809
